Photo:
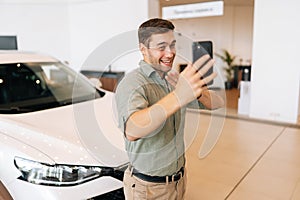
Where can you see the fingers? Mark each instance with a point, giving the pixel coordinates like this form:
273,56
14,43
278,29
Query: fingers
192,79
208,78
204,69
201,61
202,65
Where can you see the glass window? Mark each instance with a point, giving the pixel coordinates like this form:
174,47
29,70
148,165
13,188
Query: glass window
26,87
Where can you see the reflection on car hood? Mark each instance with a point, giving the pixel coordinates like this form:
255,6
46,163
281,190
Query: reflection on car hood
84,133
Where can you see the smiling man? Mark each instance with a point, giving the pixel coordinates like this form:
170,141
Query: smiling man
151,103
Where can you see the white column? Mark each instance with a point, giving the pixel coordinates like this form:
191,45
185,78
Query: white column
276,64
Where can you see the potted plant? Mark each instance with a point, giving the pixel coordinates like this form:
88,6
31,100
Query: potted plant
228,68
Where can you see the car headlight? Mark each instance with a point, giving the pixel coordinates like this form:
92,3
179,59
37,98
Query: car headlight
58,175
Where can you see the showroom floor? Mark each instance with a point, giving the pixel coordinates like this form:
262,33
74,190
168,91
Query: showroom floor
251,160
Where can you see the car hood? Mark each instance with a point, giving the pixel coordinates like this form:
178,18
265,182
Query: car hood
83,133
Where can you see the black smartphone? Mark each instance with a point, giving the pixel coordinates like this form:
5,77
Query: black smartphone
200,48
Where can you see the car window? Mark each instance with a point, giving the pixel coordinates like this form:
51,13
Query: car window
19,83
26,87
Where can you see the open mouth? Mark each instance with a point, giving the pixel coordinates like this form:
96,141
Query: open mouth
167,63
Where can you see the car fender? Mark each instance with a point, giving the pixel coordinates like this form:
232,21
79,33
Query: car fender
9,149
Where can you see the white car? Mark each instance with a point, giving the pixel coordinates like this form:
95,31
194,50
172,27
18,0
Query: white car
58,133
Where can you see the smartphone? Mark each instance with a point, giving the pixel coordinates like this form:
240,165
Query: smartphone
201,48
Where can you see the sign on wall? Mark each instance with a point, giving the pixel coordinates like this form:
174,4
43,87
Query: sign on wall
205,9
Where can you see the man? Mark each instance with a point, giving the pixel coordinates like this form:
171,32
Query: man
151,103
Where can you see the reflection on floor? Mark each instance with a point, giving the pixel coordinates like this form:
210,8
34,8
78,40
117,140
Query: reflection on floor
251,160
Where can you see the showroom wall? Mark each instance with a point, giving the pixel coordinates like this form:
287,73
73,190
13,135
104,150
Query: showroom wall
39,27
67,29
97,22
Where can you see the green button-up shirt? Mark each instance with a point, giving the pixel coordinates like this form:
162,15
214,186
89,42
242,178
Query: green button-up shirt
160,153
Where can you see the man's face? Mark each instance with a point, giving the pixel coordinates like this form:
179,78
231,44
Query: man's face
161,51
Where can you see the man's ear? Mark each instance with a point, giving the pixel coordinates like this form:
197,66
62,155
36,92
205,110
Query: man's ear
142,48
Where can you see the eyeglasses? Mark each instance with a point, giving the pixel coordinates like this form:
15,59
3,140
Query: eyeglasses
163,47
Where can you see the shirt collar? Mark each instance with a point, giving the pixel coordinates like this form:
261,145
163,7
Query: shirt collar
147,69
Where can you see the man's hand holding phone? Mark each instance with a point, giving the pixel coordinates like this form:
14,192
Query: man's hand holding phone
191,80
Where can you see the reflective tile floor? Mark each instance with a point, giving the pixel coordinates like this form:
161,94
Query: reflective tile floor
251,160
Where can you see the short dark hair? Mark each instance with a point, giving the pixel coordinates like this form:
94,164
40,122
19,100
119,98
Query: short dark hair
153,26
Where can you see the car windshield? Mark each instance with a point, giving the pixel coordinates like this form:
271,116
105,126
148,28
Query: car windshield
27,87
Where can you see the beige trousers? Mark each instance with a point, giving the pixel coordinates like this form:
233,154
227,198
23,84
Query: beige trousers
138,189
